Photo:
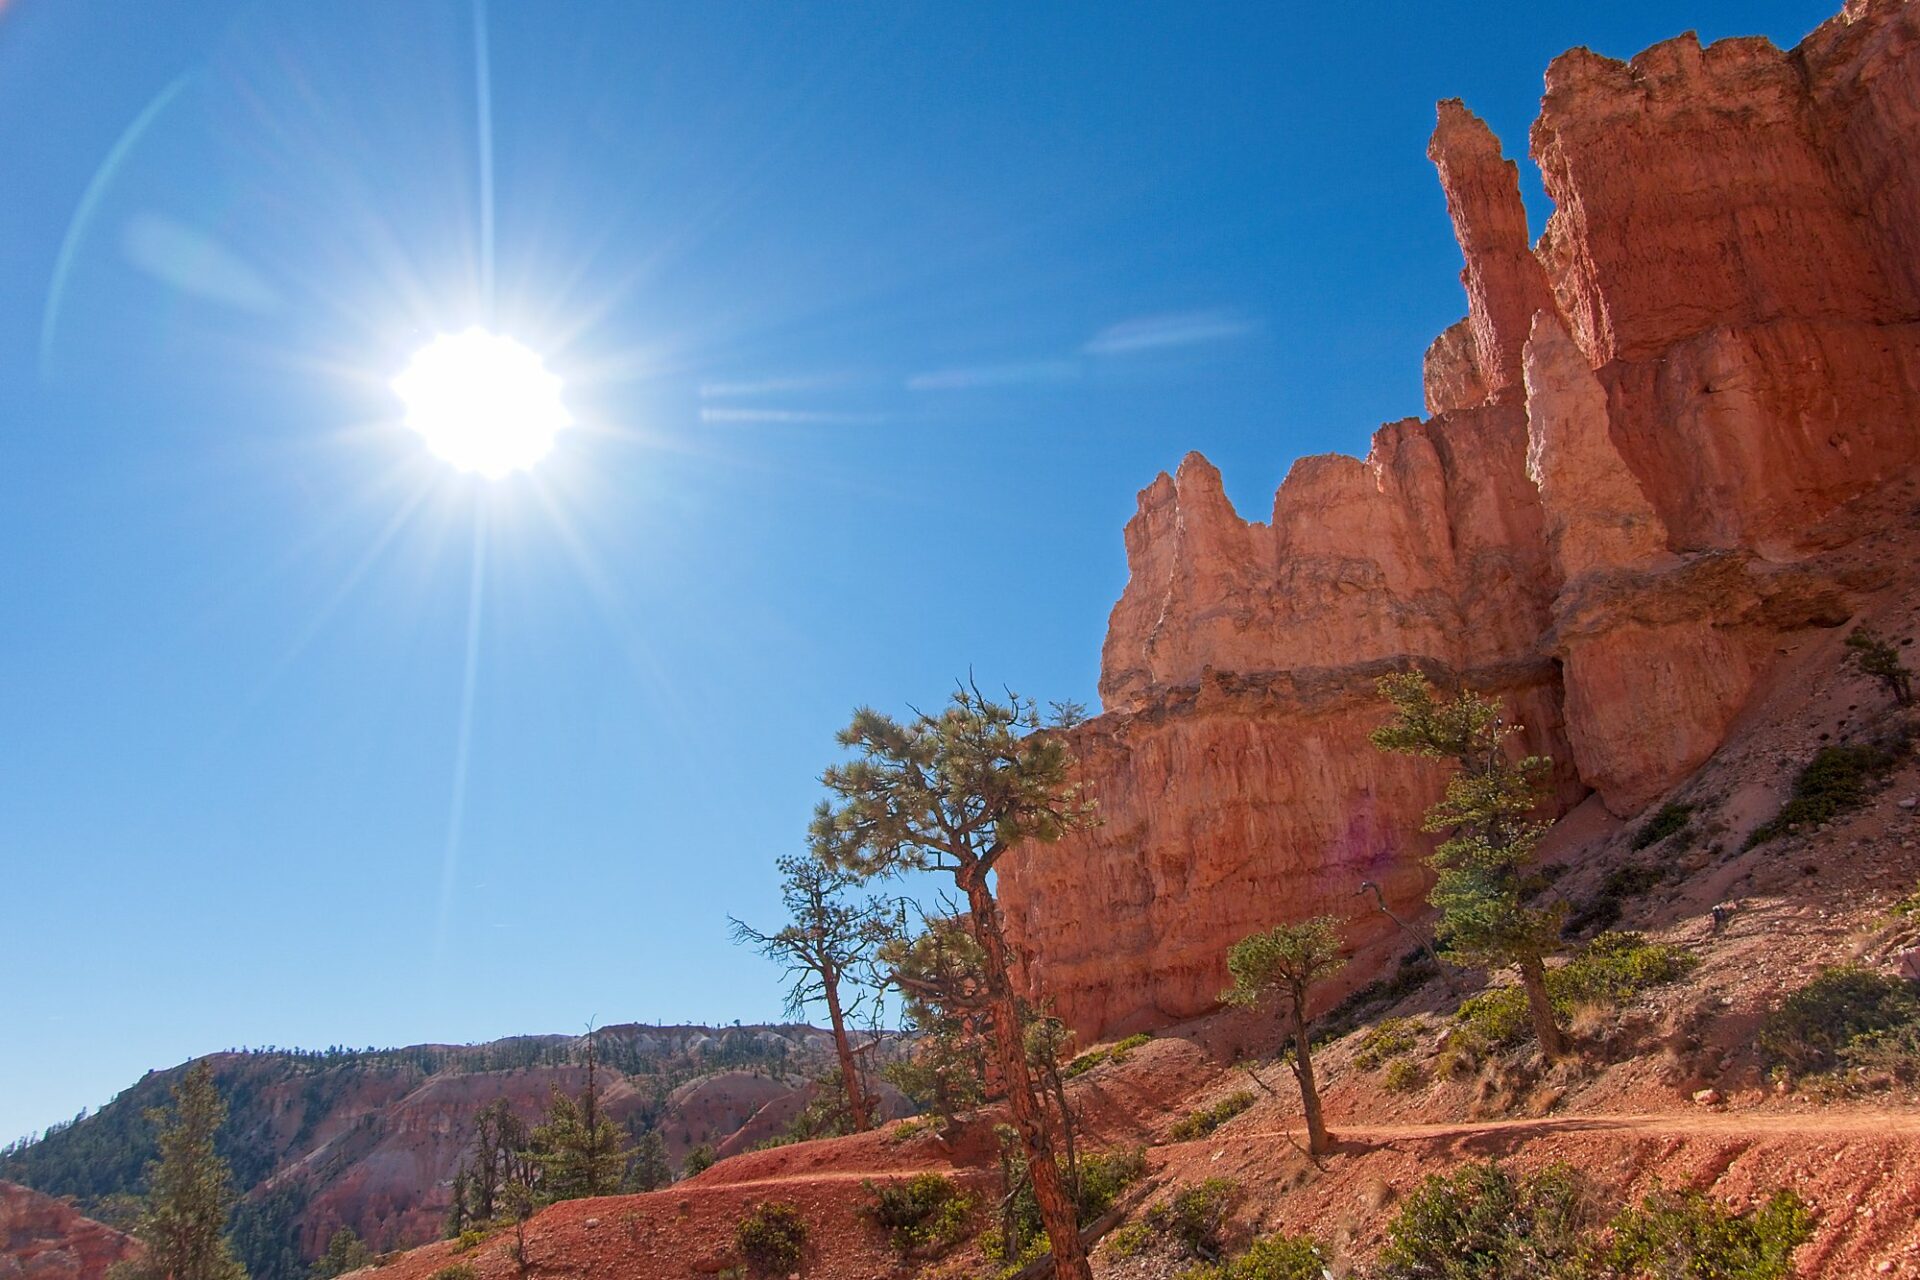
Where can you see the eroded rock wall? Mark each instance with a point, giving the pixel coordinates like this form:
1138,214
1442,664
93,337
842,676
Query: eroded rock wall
42,1238
1713,347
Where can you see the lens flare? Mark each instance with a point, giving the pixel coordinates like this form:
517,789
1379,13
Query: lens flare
483,402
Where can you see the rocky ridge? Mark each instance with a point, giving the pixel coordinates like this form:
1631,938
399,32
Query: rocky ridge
1647,441
371,1140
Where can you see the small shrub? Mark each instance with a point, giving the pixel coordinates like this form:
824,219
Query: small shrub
1103,1176
1670,820
1131,1240
1610,969
1116,1052
1872,654
1893,1053
1271,1258
1814,1028
909,1129
698,1160
1404,1076
1615,966
1199,1124
1388,1038
1684,1235
1836,779
1195,1216
771,1239
456,1271
1495,1019
472,1238
1483,1223
924,1216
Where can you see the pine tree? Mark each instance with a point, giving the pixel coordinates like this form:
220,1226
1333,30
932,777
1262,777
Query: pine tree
185,1223
346,1251
1485,866
579,1150
827,940
1286,962
952,793
459,1215
1875,655
650,1169
499,1158
943,1005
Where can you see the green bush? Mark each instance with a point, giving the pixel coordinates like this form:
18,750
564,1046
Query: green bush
1404,1076
1199,1124
456,1271
1130,1241
1836,779
1841,1011
925,1215
1683,1235
470,1239
1483,1223
1388,1038
1195,1216
1116,1052
1271,1258
1670,820
1615,966
1611,968
771,1239
1103,1176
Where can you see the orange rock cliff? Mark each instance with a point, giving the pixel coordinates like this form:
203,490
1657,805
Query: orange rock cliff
1642,438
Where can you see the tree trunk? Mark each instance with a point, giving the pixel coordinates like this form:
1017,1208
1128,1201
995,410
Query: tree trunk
1318,1142
1057,1212
1058,1085
849,1073
1546,1028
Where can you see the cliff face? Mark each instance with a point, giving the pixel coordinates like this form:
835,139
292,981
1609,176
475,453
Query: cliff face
46,1239
1642,434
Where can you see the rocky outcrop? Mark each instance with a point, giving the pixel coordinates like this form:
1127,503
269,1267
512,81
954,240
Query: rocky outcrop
42,1238
1639,434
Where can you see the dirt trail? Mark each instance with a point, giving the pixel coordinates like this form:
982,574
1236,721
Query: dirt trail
1835,1125
1829,1124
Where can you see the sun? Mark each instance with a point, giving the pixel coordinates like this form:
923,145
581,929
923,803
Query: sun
483,402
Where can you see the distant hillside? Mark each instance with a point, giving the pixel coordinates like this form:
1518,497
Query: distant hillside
371,1138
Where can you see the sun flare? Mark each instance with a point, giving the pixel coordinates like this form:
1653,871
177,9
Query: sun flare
483,402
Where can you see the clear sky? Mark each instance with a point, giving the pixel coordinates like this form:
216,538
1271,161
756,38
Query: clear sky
873,317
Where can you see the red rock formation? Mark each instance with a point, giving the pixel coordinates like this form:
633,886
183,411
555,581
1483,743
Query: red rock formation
1505,285
42,1238
1634,432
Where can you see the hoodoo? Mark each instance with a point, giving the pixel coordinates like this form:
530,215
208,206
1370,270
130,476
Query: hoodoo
1648,445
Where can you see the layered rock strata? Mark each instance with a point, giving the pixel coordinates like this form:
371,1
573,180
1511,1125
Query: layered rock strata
42,1238
1606,518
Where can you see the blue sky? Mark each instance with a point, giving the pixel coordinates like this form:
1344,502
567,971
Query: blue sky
874,318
